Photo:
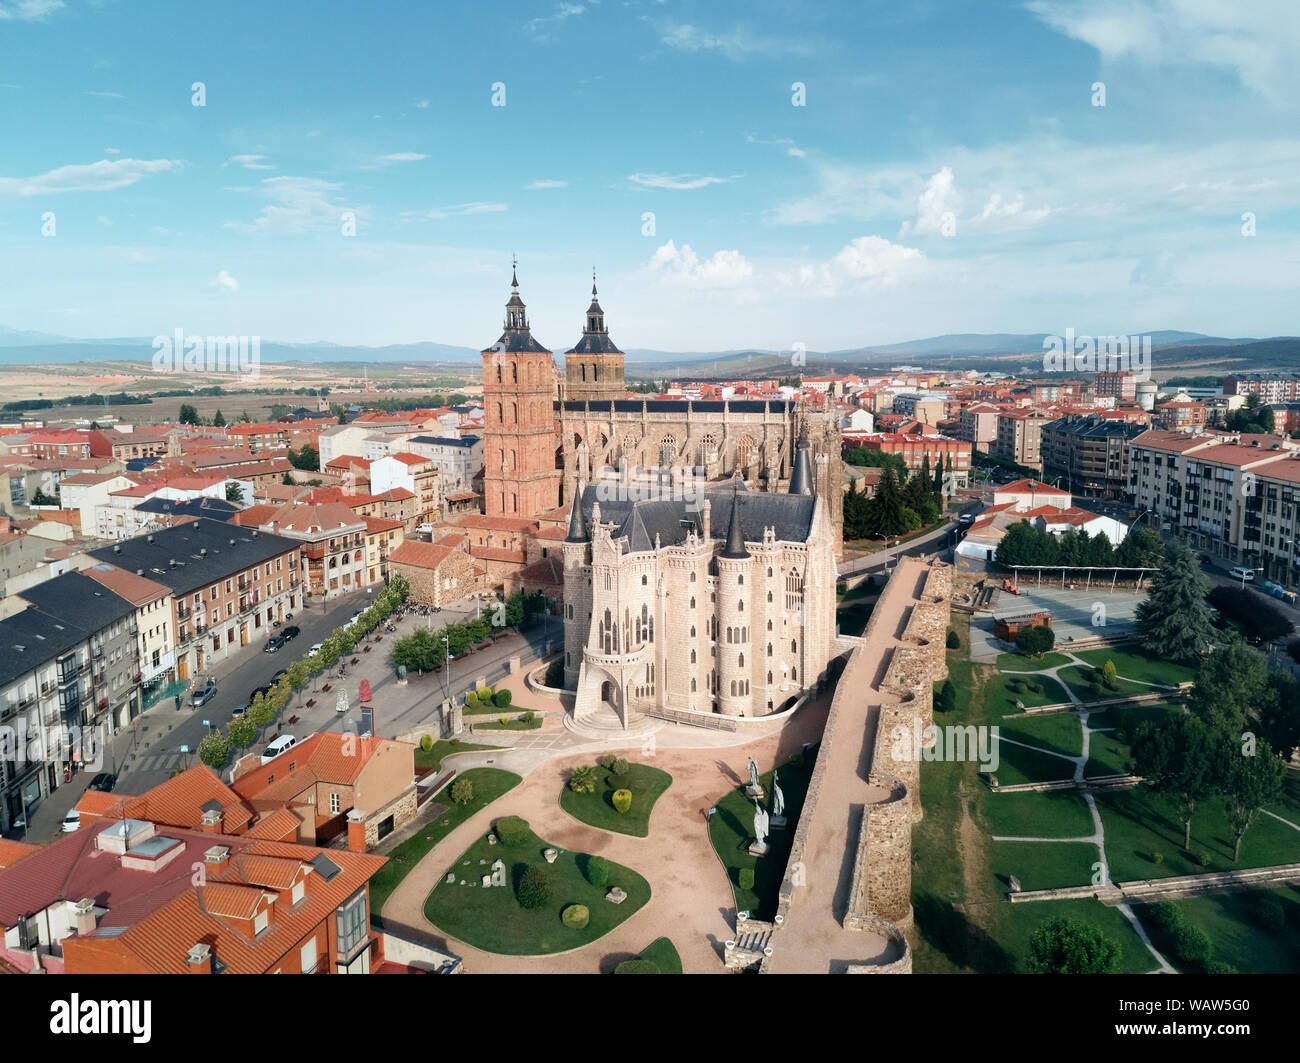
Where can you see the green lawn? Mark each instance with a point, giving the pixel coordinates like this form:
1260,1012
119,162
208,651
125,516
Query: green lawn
1228,920
1060,732
488,783
1018,922
444,748
1079,677
597,809
1017,764
1058,814
1018,662
509,725
1042,865
491,917
663,955
1139,822
1129,716
1001,698
1107,755
1135,664
731,829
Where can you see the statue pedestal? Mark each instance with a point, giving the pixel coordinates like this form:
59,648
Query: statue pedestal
754,793
758,848
778,822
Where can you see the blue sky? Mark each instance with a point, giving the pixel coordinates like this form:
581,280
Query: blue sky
948,173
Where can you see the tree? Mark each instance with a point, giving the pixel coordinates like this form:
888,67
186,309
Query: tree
1279,713
218,420
946,699
260,711
40,498
1035,641
235,492
1062,945
534,890
1108,674
306,457
188,414
1173,620
1248,783
242,732
214,750
1177,759
1231,687
584,779
462,792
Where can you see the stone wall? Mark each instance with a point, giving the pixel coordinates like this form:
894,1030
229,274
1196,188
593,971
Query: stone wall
402,809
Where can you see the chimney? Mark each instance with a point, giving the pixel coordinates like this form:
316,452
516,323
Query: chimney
85,916
217,858
199,959
356,831
212,821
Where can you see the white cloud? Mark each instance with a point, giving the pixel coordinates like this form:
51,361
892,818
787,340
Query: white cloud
107,95
300,204
541,27
422,104
867,262
103,176
534,186
725,269
249,162
935,201
679,181
29,10
1255,42
466,208
112,151
225,283
404,156
738,43
104,221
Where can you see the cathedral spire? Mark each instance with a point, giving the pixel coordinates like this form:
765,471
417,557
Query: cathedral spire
577,529
735,548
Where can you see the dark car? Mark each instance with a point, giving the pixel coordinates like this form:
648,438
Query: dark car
1206,559
279,675
273,644
290,632
104,781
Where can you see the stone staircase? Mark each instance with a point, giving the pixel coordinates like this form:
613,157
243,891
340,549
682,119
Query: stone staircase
605,725
751,944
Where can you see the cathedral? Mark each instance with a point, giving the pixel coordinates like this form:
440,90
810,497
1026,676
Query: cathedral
699,563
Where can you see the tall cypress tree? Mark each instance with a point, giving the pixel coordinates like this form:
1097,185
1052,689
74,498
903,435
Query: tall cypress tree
1173,621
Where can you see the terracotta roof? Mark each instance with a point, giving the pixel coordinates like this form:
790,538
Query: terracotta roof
179,801
278,826
421,555
11,852
135,589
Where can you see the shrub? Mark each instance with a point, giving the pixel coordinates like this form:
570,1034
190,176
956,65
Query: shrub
954,640
575,916
501,699
607,761
1192,944
746,878
1035,685
597,870
534,890
584,779
1157,858
485,695
1219,967
1017,685
622,800
503,720
1166,915
1268,912
637,967
1108,674
512,830
619,767
529,716
1204,858
462,792
426,743
946,699
1035,641
471,700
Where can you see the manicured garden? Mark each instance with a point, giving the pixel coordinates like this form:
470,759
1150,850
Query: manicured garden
1018,662
1001,692
538,908
594,801
1018,764
485,786
1134,664
1085,682
432,758
1042,865
756,881
1255,933
1059,732
1031,814
1018,921
527,722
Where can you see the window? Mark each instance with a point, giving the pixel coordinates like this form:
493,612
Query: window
307,957
260,921
351,922
299,889
334,804
692,577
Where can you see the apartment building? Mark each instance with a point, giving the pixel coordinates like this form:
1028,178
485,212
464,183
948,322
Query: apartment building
333,540
1120,385
1269,388
1236,496
1019,437
228,583
1091,452
155,629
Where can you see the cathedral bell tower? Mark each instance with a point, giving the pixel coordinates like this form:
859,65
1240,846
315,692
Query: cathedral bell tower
593,367
520,477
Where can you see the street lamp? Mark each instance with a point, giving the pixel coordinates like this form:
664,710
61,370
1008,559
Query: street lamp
446,679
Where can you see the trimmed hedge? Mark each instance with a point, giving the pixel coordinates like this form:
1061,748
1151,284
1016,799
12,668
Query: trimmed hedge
534,890
637,967
512,830
575,916
597,870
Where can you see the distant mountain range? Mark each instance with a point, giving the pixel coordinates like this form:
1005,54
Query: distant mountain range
970,350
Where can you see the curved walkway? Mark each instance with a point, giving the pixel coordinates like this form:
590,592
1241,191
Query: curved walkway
691,900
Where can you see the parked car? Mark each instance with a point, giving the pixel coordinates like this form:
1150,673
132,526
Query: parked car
241,711
104,782
355,618
277,747
1205,559
1242,573
204,694
279,675
273,644
316,647
290,632
71,821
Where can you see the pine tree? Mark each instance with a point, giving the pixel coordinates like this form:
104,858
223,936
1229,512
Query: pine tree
1173,621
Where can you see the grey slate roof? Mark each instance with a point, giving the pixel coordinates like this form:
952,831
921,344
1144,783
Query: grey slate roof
216,508
230,549
463,441
672,519
517,340
594,343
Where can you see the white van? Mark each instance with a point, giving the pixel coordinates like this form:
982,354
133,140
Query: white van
277,747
